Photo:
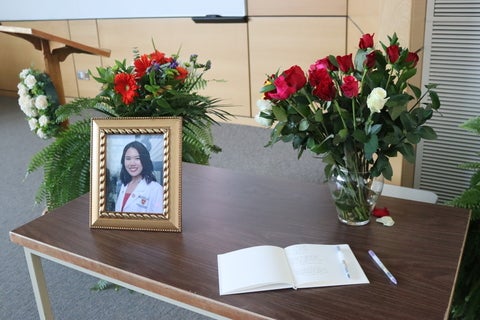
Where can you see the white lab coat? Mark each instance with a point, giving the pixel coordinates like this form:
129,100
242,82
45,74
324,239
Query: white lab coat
146,198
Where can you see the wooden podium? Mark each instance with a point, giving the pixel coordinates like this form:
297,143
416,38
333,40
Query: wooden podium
42,41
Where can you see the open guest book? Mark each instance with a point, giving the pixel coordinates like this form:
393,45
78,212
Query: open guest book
263,268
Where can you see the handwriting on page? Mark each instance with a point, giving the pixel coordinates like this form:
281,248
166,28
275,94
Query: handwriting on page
309,267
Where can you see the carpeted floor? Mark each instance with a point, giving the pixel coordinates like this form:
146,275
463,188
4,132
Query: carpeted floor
69,290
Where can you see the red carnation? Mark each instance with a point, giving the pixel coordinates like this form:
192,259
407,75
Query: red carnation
126,86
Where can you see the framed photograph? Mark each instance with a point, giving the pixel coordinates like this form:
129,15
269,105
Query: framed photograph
136,174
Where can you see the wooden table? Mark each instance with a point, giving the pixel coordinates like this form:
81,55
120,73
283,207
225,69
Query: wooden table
225,210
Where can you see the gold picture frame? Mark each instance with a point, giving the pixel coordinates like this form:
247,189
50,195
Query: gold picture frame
136,174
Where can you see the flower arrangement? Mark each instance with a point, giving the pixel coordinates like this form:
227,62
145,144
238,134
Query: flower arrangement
154,85
358,104
356,112
39,101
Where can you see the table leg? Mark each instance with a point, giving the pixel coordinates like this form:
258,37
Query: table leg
39,285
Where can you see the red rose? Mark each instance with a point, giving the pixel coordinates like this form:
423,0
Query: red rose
324,86
126,86
323,64
349,87
345,63
366,41
289,82
393,53
412,58
370,59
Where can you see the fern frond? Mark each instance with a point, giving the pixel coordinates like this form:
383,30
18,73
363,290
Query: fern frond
59,186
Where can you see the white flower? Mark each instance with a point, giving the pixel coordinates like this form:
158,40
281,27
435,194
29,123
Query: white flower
27,105
22,90
377,99
30,81
24,73
42,134
41,102
32,123
43,120
264,105
263,121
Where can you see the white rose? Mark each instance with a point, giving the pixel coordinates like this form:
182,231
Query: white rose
22,90
41,134
377,99
43,120
41,102
26,104
264,105
24,73
262,121
30,81
32,123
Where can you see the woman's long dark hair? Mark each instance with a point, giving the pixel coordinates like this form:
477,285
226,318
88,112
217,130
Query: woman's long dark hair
147,172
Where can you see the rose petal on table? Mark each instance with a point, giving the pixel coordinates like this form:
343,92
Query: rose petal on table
387,221
380,212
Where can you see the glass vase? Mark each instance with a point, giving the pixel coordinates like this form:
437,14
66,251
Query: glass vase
355,195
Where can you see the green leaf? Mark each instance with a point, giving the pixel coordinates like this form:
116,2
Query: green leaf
304,124
360,136
375,128
472,125
371,146
396,110
279,113
408,121
267,88
428,133
408,152
407,75
413,137
416,91
434,99
319,115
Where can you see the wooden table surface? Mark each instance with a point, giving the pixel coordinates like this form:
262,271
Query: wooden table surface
225,210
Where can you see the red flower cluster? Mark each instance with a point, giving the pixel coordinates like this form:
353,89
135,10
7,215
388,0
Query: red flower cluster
128,84
320,73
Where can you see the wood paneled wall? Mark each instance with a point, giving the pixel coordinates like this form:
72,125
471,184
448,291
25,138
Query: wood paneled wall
277,35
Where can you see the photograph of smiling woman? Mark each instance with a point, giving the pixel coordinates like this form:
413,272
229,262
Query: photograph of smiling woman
137,189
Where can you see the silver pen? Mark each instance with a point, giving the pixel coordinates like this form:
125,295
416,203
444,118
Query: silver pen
342,260
382,267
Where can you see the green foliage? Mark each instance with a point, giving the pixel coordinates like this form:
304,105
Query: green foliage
66,166
364,104
466,299
105,285
156,86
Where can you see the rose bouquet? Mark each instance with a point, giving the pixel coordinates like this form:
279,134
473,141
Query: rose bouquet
39,101
356,112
